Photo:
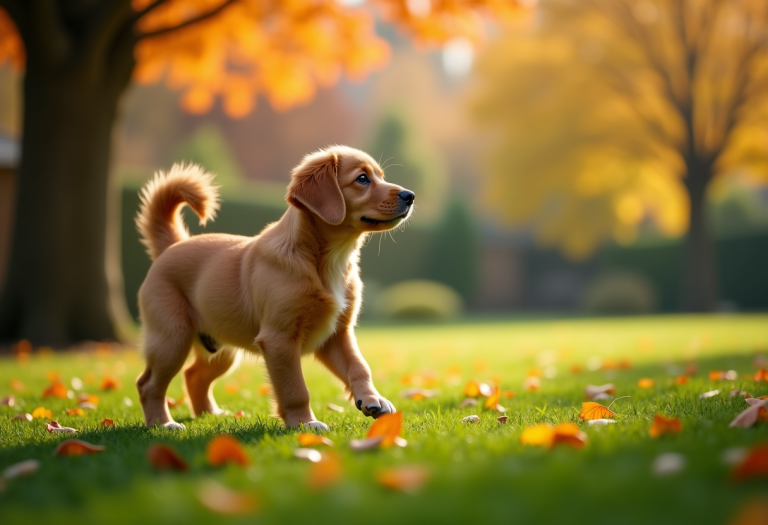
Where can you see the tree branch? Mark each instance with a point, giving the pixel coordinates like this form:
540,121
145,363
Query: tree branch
104,26
46,35
187,23
151,7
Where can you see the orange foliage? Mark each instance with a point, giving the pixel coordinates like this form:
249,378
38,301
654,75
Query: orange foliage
163,457
546,435
388,426
76,447
591,410
57,389
754,465
110,383
226,449
665,425
646,382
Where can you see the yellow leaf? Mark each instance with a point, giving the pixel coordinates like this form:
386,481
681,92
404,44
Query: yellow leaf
591,410
388,426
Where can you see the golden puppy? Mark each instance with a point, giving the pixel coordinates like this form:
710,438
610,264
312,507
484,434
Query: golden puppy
292,290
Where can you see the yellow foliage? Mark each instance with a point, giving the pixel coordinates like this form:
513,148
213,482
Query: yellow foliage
600,125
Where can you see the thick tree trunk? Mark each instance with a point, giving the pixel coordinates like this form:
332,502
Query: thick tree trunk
700,285
60,288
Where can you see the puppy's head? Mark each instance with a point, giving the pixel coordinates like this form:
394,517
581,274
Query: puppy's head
343,185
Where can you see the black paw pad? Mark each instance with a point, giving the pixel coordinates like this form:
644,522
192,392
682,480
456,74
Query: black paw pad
373,409
359,404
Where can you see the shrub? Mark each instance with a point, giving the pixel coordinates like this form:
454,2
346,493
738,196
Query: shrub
419,300
620,293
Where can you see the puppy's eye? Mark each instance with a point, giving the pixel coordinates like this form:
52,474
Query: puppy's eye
363,179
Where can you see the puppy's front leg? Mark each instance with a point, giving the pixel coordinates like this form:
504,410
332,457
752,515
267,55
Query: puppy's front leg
283,359
342,356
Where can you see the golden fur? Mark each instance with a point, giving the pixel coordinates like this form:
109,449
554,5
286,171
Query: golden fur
293,289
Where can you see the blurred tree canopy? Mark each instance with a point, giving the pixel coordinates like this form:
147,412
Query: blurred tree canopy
63,283
613,113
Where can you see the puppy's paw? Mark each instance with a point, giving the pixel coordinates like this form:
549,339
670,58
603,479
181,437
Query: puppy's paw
174,426
317,425
374,406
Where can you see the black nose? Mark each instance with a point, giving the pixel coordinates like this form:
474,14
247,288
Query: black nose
407,196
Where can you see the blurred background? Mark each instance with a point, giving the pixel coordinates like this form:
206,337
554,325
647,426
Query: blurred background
589,157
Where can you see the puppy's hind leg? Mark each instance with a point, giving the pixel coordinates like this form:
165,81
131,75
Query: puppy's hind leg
201,374
165,356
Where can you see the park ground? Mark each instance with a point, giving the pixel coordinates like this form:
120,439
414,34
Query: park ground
471,472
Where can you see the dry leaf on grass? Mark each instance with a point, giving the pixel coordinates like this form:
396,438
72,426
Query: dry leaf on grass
471,419
751,415
591,410
22,468
532,384
469,402
77,447
222,500
241,414
174,402
707,395
8,401
74,411
88,398
646,382
761,375
226,449
306,440
736,392
493,400
109,383
106,422
264,390
502,419
475,388
590,391
335,407
358,445
408,479
163,457
310,454
598,422
754,464
54,426
665,425
42,412
23,417
546,435
56,389
681,380
385,432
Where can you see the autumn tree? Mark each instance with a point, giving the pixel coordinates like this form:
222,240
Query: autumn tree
63,283
614,113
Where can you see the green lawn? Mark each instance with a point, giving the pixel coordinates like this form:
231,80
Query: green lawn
478,473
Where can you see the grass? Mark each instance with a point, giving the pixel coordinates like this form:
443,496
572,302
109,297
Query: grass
479,473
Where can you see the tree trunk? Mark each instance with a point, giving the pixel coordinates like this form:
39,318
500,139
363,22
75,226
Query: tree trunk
700,284
61,286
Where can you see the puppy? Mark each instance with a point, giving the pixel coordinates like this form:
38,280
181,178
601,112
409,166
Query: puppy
292,290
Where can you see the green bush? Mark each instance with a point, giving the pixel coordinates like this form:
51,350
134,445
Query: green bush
620,293
419,300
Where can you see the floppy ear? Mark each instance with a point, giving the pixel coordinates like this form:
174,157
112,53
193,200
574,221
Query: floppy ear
314,185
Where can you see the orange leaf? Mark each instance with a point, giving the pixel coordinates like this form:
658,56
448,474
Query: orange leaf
508,394
264,389
17,385
23,417
106,422
754,464
646,382
538,435
163,457
76,447
568,434
493,400
306,440
681,380
591,410
532,383
88,398
472,389
325,472
761,375
56,390
226,449
174,402
109,383
41,412
231,387
663,425
74,411
407,479
716,375
388,426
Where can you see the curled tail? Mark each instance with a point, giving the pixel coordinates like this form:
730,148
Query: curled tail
159,219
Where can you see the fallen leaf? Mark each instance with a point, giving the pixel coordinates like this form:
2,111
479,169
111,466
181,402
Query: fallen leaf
598,422
469,402
754,464
716,375
88,398
231,387
668,464
593,390
761,375
387,425
241,414
502,419
226,449
568,434
591,410
537,435
57,389
8,401
163,457
24,417
85,405
325,472
470,419
408,478
22,468
106,422
54,426
310,454
681,380
264,390
109,383
174,402
222,500
691,369
359,445
665,425
335,408
17,385
737,392
749,417
508,394
493,400
472,388
77,383
707,395
77,447
74,411
41,412
646,382
306,440
52,376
